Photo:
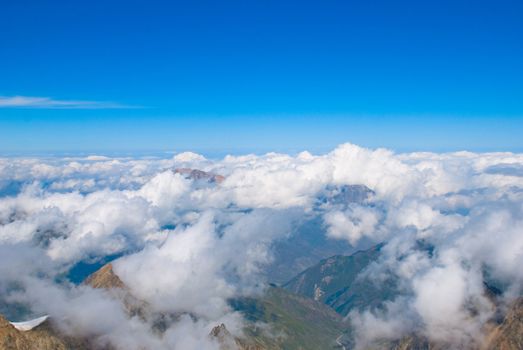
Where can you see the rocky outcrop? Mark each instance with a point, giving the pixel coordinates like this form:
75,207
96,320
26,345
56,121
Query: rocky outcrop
344,194
222,335
42,337
195,174
105,278
228,342
509,334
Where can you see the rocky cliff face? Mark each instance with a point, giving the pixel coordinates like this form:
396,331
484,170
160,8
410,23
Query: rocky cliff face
509,334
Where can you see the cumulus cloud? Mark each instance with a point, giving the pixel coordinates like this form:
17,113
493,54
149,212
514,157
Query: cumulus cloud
191,279
352,224
189,157
450,222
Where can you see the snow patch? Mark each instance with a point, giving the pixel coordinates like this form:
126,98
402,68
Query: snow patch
28,325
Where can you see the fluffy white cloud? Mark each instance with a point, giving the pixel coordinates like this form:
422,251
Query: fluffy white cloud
352,224
450,221
188,157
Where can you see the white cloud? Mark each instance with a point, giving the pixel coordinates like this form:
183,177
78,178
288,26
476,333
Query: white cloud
50,103
352,224
446,218
188,157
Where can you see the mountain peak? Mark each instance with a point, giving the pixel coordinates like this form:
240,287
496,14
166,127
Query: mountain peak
105,278
196,174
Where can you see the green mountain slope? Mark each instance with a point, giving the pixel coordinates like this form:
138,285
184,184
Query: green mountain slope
295,322
337,282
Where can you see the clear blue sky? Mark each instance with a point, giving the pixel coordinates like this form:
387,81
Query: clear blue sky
257,75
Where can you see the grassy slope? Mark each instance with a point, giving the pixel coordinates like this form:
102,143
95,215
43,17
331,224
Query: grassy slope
296,322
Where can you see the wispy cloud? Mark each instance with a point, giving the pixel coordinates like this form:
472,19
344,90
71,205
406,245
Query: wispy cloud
50,103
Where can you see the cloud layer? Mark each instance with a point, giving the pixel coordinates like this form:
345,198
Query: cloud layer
451,222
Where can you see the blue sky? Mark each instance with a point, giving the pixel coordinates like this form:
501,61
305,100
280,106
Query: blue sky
236,76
